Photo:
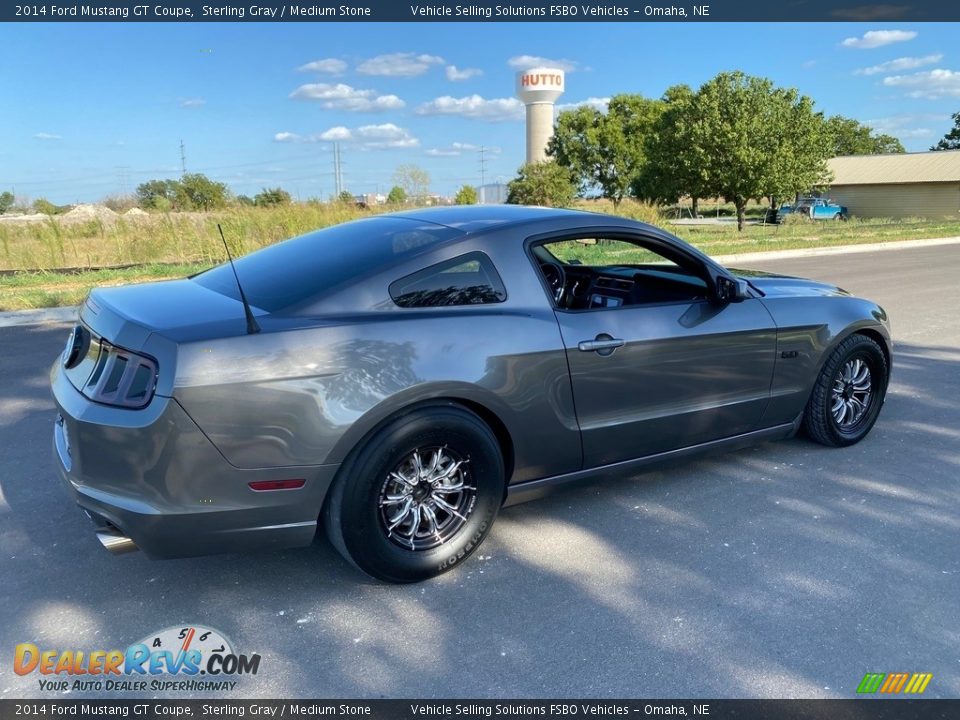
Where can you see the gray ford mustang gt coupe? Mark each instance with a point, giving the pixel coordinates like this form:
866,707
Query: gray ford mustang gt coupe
399,378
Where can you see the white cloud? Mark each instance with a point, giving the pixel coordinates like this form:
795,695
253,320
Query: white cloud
47,136
900,125
458,148
335,134
878,38
900,64
398,64
387,135
594,102
525,62
345,97
287,137
474,106
332,66
454,74
929,84
367,137
193,102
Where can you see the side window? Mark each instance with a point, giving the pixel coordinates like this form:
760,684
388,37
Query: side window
594,273
468,279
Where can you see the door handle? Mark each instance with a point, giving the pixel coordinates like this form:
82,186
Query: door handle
603,344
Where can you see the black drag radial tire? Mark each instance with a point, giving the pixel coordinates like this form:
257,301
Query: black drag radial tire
352,513
818,420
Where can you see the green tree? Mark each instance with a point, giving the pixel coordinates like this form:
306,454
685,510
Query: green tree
397,195
950,141
606,150
850,137
272,196
158,194
245,200
414,180
42,205
202,192
673,169
6,201
753,140
546,183
467,195
346,197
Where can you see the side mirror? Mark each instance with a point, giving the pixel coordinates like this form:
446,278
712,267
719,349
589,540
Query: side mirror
729,289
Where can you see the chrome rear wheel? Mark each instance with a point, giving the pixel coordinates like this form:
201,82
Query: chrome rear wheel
426,499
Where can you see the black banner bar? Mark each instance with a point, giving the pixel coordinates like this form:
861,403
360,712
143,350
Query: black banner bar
872,709
484,11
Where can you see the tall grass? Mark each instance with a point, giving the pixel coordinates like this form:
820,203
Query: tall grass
160,237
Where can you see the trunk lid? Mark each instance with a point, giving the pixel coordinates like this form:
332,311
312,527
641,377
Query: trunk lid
178,310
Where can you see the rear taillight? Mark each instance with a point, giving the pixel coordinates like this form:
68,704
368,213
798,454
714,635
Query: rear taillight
121,377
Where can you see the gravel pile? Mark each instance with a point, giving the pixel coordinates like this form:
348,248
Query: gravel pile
85,213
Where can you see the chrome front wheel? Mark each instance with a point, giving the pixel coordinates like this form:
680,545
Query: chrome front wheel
852,393
848,393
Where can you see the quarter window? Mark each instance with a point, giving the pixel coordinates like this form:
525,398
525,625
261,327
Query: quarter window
468,279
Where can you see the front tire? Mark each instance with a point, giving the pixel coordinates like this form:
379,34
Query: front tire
848,394
419,497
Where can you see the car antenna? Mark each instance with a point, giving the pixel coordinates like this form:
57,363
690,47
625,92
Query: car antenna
252,327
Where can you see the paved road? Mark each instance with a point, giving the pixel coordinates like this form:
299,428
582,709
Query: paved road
783,570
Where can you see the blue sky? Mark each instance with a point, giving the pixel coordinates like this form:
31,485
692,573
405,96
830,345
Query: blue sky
88,107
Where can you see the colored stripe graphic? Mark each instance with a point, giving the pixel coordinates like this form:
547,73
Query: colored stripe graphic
894,683
918,683
871,682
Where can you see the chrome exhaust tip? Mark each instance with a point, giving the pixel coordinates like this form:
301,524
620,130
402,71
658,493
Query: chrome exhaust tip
116,543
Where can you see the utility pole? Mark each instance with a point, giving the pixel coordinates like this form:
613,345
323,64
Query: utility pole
483,173
124,173
183,157
337,177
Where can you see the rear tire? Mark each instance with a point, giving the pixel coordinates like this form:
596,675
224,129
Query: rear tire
395,511
849,393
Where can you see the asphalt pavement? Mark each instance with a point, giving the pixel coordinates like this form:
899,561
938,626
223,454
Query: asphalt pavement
784,570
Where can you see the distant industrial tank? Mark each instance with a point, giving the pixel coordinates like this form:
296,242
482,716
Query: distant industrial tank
538,88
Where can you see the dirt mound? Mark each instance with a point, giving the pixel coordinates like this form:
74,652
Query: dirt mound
31,218
136,215
85,213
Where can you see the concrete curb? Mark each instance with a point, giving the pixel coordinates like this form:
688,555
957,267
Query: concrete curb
69,314
39,317
837,250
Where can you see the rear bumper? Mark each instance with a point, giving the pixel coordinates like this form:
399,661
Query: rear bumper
152,479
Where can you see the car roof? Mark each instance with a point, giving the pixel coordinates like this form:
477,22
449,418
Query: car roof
470,219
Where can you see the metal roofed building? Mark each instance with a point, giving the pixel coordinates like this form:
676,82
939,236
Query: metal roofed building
923,184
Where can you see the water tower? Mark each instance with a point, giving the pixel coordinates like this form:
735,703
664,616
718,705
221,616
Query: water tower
538,88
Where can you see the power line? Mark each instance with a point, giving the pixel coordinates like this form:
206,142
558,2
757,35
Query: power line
183,157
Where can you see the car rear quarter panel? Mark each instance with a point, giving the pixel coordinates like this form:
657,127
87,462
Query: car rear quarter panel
305,397
808,330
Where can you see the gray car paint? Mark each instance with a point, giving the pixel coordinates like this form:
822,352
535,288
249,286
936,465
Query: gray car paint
296,399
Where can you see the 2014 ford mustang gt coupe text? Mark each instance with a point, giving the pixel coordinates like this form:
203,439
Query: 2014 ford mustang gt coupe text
398,378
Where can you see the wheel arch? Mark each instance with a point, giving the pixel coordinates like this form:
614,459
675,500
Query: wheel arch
376,419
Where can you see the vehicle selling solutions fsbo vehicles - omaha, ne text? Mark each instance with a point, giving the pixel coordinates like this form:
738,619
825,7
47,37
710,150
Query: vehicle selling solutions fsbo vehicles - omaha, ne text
400,377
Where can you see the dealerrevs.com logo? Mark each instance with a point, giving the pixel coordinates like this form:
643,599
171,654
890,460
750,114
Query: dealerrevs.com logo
188,658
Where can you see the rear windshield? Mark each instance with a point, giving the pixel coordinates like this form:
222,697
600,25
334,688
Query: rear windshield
285,274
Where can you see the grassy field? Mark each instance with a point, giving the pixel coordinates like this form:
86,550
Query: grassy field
33,256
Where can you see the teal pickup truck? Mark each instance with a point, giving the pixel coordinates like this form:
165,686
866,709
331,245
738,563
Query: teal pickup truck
815,209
